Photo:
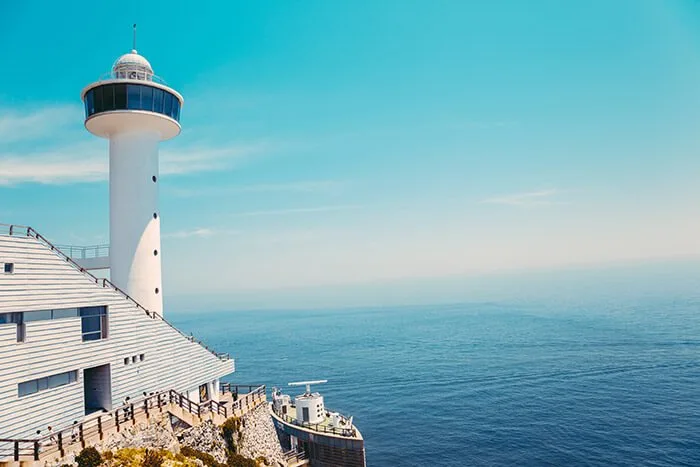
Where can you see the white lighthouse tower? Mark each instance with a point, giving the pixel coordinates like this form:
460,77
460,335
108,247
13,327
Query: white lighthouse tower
135,110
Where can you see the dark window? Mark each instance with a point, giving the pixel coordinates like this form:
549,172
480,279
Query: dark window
90,102
126,361
133,359
120,96
142,357
167,104
99,105
29,387
42,383
147,98
108,97
133,97
47,382
9,268
158,100
176,108
58,380
94,322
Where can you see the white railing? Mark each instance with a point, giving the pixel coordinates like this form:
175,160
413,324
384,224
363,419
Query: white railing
138,75
85,252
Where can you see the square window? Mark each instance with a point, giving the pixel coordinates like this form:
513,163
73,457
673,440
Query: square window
9,268
30,387
133,359
42,383
126,361
142,357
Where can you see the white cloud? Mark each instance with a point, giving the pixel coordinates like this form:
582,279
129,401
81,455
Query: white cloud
532,198
18,126
71,164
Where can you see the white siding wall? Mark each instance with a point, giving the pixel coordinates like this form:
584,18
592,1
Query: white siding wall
42,280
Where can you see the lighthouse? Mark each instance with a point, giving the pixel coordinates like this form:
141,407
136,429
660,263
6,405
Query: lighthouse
135,110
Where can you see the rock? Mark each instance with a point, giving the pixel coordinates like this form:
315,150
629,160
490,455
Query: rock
206,438
156,435
260,438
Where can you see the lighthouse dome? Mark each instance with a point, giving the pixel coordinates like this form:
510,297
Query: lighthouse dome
132,66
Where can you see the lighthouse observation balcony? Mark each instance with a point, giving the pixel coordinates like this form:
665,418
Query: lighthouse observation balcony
131,95
91,257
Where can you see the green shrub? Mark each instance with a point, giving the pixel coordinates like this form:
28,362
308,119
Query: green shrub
152,458
88,457
208,459
236,460
230,430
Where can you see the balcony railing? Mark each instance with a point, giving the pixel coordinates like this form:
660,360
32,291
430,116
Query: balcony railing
84,252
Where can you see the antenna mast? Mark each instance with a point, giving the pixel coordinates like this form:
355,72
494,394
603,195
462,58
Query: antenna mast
134,47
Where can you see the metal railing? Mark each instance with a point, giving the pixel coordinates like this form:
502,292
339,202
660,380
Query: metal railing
318,427
249,399
133,75
84,252
25,231
294,456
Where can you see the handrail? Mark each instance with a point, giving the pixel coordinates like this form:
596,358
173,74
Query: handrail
85,252
30,232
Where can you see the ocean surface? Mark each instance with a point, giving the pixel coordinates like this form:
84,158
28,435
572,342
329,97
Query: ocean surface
489,384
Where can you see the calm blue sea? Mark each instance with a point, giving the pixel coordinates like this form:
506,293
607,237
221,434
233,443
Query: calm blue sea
489,384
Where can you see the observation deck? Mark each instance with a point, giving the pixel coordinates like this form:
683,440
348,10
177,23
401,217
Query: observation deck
131,88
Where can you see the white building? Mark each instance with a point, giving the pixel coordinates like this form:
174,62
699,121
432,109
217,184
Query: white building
72,344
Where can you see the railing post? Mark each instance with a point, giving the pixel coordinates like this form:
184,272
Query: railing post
60,444
145,406
36,450
99,426
116,419
133,416
82,438
16,451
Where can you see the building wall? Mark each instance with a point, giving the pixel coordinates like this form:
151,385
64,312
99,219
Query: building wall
43,280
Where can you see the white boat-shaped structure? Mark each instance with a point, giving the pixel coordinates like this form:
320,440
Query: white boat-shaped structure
323,437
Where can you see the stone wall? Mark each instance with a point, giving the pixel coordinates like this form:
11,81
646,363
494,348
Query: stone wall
259,437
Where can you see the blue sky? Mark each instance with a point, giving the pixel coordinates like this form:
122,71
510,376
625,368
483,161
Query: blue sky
338,143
